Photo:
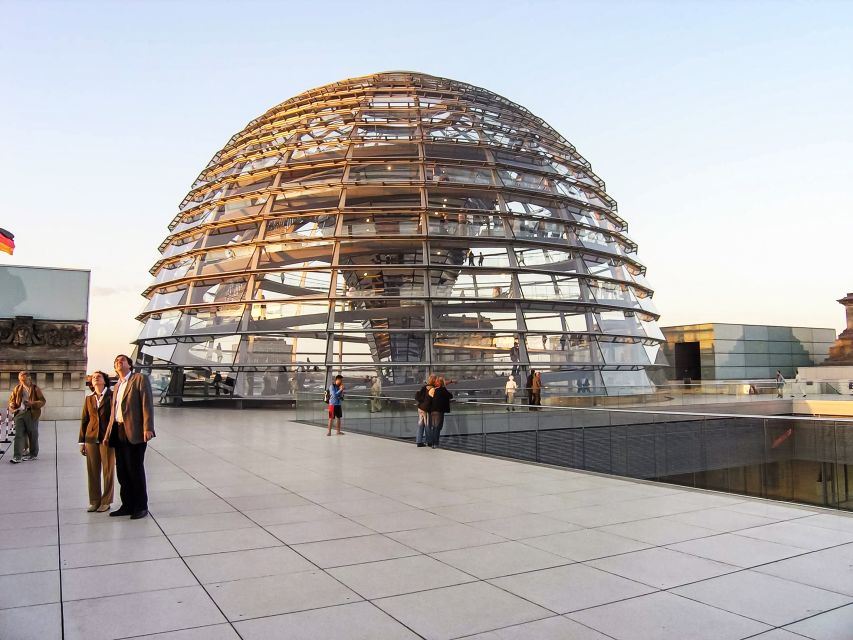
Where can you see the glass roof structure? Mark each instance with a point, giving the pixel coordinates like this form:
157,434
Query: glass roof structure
395,225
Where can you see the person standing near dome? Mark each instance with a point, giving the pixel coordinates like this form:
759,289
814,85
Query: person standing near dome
100,457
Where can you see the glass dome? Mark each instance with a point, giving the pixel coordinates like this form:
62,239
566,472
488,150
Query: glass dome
396,225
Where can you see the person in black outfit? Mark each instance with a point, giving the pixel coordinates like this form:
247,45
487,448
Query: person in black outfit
441,398
529,385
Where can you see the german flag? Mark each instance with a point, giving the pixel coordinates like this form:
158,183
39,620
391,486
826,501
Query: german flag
7,241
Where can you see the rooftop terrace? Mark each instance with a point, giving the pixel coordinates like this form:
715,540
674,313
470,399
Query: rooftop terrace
262,527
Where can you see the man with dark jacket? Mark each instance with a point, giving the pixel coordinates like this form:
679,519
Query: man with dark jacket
130,428
529,385
25,403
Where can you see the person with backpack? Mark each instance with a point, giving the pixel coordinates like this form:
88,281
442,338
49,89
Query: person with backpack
424,400
441,398
334,398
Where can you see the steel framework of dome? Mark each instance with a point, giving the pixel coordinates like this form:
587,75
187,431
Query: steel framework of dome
394,225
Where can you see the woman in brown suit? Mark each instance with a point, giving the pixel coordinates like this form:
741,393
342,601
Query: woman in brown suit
100,458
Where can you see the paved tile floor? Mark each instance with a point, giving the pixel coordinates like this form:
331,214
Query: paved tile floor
265,528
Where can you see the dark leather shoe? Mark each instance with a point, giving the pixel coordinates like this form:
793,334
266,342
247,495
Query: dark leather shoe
139,514
120,512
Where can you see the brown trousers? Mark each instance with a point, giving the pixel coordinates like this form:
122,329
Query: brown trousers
100,465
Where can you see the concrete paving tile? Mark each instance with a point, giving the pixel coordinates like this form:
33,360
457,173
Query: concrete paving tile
401,520
87,554
758,596
476,511
830,569
570,588
318,530
795,534
398,576
254,563
285,515
501,559
838,522
283,593
189,508
455,536
451,612
201,523
367,506
27,519
212,632
721,519
357,621
130,577
658,531
29,537
38,622
29,560
777,634
138,614
662,568
268,501
111,529
771,509
585,544
737,550
596,515
195,544
556,628
524,526
336,553
664,616
832,625
25,589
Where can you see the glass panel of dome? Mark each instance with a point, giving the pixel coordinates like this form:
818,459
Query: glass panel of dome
384,172
166,299
160,325
381,252
533,206
477,317
219,351
623,353
226,260
452,197
182,245
318,152
378,197
248,185
232,235
194,220
292,284
537,229
556,258
276,316
223,319
269,350
610,293
543,286
161,353
175,270
385,150
454,152
624,323
304,200
384,223
515,179
363,348
470,346
387,282
218,291
556,321
312,176
308,254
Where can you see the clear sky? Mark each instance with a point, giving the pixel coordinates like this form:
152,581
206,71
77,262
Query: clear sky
723,129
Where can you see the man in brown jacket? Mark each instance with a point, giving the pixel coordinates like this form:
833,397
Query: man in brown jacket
25,404
130,428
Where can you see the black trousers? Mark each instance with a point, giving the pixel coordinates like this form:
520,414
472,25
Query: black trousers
130,468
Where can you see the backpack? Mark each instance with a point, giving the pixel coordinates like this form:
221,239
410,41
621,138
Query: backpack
420,395
327,396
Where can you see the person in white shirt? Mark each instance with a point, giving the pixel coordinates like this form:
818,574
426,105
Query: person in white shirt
511,386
